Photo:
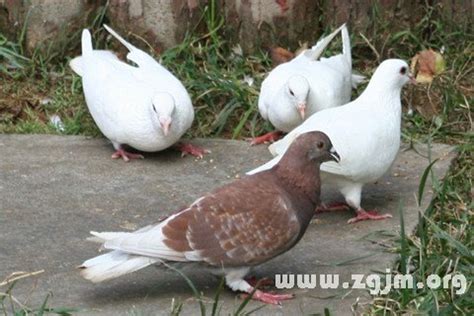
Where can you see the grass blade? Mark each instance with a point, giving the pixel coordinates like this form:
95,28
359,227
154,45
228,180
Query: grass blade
404,253
254,310
440,233
43,306
193,288
424,177
351,260
216,297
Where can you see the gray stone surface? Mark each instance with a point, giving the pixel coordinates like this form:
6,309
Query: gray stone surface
47,17
54,190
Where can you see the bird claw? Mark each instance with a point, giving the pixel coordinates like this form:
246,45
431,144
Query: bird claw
337,206
193,150
269,298
266,138
125,155
363,215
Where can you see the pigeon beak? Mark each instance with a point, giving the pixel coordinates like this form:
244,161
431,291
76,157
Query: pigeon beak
301,109
412,79
165,125
334,155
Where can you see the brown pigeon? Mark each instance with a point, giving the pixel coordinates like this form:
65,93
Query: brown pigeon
237,226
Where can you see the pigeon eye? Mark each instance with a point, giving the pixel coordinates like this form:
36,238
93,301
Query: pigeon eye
154,109
292,93
403,70
320,145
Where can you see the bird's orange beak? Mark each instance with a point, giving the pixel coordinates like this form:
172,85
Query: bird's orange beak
302,110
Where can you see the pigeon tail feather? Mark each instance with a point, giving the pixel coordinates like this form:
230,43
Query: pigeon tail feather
317,50
129,46
135,54
104,236
347,53
346,45
77,66
112,265
86,43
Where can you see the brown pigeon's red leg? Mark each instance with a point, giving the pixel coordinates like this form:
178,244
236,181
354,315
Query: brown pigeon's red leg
337,206
191,149
269,298
125,155
363,215
267,138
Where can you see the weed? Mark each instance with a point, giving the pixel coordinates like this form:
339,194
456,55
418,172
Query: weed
10,305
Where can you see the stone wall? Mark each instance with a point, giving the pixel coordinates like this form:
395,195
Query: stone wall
253,23
44,19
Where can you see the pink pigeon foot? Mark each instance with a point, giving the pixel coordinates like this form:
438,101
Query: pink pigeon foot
363,215
267,138
269,298
125,155
193,150
337,206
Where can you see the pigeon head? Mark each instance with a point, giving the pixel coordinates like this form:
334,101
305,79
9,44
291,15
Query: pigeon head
318,147
299,166
393,73
322,149
163,107
312,147
297,90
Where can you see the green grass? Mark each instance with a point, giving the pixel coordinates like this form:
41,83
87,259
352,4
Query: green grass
213,70
225,104
442,244
10,305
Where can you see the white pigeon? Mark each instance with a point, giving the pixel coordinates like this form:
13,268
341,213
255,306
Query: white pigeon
365,132
144,106
305,85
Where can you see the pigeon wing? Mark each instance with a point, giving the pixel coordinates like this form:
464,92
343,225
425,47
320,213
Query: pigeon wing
235,226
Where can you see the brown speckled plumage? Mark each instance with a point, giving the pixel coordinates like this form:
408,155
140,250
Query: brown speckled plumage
254,219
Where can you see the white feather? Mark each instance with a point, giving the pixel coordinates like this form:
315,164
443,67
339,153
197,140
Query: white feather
77,66
365,133
330,81
120,97
132,251
112,265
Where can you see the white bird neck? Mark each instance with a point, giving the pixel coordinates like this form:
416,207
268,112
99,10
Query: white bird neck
380,96
378,86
